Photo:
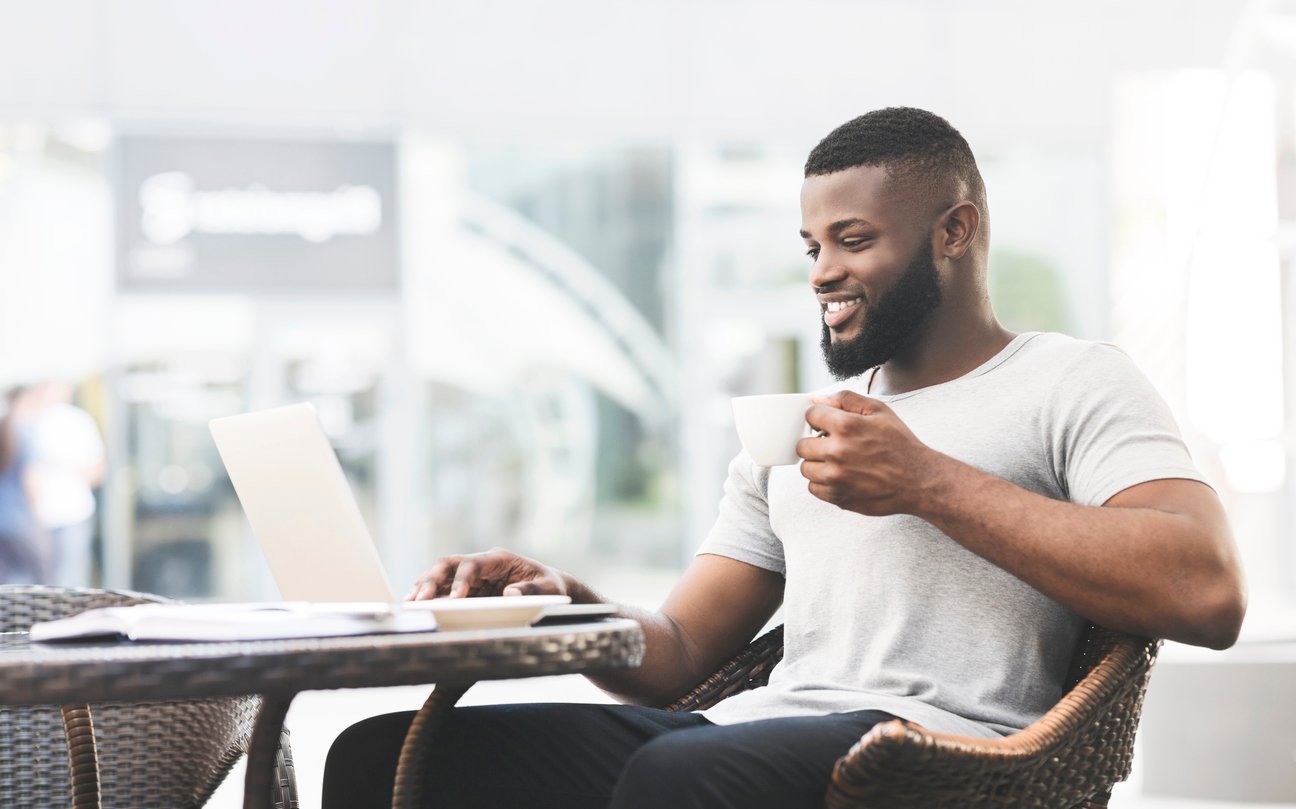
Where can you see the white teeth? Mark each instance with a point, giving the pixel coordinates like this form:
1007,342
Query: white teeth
837,306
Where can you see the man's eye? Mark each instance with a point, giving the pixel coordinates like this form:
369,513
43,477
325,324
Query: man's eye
851,244
813,252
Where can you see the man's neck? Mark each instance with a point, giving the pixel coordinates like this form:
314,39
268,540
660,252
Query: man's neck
945,350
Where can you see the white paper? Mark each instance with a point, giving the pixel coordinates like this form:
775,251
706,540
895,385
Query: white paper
215,622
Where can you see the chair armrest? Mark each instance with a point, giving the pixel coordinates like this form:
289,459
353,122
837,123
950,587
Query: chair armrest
750,668
1074,752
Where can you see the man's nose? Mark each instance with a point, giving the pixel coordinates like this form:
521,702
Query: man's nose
826,271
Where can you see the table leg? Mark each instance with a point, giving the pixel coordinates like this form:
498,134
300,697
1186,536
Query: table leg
260,777
83,756
408,791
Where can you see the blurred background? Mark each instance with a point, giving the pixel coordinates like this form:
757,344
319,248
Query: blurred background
520,256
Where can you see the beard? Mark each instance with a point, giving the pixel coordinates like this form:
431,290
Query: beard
889,323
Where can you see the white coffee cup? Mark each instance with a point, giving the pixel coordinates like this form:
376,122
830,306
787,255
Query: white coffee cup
769,426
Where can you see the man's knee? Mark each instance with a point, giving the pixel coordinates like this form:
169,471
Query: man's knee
375,737
679,770
361,763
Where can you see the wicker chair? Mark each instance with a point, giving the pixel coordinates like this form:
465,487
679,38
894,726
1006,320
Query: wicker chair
153,755
1069,759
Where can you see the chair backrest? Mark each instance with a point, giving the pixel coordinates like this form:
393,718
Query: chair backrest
1095,643
1069,758
1115,669
153,755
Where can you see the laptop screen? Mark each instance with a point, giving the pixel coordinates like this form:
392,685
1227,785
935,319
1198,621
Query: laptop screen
300,505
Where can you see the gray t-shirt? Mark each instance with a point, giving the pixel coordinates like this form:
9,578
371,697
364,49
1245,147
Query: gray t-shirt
889,613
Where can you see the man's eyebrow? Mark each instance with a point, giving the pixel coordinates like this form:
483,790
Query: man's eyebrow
839,226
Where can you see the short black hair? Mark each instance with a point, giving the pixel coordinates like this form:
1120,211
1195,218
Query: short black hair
920,150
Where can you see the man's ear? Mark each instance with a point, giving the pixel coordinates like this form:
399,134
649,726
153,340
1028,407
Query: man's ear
957,230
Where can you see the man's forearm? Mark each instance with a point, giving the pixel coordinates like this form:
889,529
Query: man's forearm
1157,571
669,668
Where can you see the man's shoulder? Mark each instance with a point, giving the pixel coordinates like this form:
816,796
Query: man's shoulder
1066,372
1059,353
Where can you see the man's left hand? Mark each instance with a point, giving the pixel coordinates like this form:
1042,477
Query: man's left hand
866,459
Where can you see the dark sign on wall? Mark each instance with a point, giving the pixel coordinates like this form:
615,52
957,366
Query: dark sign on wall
298,217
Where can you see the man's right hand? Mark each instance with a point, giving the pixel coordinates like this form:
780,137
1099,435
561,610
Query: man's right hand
492,573
714,610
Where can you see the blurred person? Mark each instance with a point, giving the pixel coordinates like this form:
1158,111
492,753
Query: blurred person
23,551
971,498
67,465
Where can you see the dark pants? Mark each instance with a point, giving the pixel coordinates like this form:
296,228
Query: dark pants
571,756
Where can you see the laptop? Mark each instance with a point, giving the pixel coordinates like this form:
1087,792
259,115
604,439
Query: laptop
300,505
305,516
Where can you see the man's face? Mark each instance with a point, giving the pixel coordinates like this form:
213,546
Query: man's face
873,272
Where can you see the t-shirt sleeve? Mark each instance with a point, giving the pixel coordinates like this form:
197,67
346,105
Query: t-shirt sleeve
1109,429
742,530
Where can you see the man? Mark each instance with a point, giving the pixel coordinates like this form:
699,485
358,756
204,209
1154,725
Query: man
972,498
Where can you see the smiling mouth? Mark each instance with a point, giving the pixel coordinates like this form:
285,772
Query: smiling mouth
838,312
837,306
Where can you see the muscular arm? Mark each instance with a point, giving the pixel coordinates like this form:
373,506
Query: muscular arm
712,612
1156,559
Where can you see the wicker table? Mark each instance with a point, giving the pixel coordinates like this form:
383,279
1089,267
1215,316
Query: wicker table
46,674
